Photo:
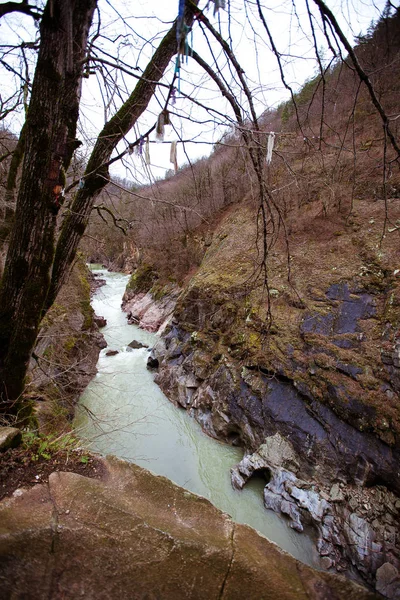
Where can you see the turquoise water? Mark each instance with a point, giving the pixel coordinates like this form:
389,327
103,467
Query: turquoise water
123,412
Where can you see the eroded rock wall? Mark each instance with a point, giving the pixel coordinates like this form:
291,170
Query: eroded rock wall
323,376
66,353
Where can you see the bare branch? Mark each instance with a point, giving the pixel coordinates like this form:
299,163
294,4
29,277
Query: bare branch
21,7
361,73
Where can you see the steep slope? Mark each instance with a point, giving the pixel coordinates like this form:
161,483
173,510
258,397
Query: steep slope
66,353
324,376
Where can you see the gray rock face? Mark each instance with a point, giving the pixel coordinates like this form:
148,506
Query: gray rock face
352,530
135,535
317,479
276,452
251,407
319,387
388,581
10,437
352,307
147,312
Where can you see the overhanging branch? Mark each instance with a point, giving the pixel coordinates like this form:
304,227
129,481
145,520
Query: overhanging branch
360,72
21,7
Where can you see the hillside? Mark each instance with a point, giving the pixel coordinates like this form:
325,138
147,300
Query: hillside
329,151
295,357
275,290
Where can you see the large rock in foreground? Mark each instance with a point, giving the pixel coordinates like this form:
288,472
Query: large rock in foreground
135,535
10,437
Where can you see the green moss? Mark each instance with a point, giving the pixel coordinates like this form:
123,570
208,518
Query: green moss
70,343
49,352
253,341
142,279
159,291
84,293
55,314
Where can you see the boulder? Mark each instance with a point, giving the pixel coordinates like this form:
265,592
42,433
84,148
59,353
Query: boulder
135,345
152,363
135,535
112,352
100,321
10,437
388,581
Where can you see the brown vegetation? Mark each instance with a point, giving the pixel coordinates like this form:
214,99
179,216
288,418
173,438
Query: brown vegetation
331,151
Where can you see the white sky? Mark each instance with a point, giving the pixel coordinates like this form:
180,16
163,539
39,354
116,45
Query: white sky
143,20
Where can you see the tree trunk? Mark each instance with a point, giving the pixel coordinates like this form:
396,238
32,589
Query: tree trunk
96,176
49,143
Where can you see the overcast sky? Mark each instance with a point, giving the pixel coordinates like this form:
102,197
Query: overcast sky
135,29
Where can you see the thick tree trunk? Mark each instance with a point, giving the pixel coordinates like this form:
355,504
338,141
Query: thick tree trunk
49,142
96,176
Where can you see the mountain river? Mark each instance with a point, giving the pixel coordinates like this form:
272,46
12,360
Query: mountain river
123,412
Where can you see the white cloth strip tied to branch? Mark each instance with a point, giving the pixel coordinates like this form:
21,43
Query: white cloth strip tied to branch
160,128
173,156
218,4
162,120
270,147
147,152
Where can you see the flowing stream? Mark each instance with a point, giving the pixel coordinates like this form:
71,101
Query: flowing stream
131,418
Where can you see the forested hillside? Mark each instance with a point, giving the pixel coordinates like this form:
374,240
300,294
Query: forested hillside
269,268
329,153
294,351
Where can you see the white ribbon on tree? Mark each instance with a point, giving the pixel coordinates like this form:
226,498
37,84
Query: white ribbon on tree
270,147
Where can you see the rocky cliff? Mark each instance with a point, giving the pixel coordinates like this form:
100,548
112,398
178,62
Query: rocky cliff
313,396
66,353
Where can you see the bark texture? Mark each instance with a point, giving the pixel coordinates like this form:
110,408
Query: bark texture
96,175
36,265
49,142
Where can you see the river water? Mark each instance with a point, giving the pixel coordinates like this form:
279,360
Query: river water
123,412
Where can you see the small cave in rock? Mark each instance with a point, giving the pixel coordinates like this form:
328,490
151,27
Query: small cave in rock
233,438
263,474
375,481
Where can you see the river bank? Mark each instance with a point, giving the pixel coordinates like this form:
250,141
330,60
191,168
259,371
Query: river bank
132,419
322,471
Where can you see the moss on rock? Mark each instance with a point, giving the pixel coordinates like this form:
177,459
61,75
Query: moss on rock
142,279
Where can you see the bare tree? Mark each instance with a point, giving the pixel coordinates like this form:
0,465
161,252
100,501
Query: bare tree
40,254
36,265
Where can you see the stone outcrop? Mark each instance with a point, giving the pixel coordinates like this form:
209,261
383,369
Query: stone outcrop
246,406
323,376
149,305
66,353
135,535
356,526
10,437
147,312
326,477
